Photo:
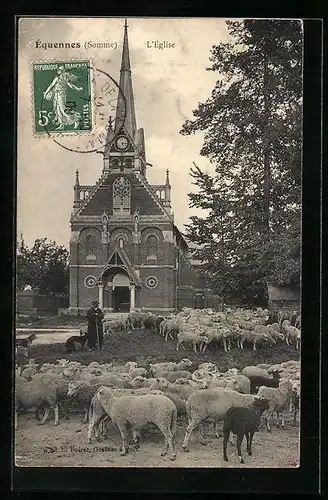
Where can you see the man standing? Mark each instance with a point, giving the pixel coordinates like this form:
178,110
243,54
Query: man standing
95,327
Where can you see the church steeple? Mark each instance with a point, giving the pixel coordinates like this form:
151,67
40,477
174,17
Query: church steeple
125,102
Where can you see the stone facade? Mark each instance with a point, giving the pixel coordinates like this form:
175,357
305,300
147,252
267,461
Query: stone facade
125,249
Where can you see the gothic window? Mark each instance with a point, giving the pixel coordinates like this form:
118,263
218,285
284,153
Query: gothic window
90,246
115,163
121,196
81,195
121,242
151,247
86,194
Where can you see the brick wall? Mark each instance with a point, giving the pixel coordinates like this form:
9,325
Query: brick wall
163,296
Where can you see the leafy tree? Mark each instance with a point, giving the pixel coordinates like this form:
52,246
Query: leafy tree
252,125
44,266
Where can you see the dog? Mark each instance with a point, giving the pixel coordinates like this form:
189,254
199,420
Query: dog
71,341
27,342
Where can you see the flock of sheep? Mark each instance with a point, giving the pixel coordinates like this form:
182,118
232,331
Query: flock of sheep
200,328
131,397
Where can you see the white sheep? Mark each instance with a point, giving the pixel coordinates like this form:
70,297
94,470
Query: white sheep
284,325
156,368
110,380
279,399
194,339
293,336
173,376
199,384
35,395
212,404
98,416
138,411
208,367
219,334
138,372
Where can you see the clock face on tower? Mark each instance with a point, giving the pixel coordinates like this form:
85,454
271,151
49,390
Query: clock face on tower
121,142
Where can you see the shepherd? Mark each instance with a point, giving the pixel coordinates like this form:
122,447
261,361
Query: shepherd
95,326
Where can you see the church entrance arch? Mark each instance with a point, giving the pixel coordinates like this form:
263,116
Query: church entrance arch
121,293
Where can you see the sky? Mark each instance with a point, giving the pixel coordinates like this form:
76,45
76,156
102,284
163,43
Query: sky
167,84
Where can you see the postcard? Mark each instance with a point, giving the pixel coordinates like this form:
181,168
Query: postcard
159,167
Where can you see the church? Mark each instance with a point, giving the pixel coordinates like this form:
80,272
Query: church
125,250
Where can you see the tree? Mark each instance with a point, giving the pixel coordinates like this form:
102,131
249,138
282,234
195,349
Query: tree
44,266
252,125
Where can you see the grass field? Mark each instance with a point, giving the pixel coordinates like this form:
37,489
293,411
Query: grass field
146,347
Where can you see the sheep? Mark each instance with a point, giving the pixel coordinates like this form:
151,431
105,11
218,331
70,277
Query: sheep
298,322
264,366
199,384
97,415
82,393
138,411
198,375
293,336
295,401
279,399
259,377
275,334
242,384
284,325
255,337
219,334
179,403
138,372
110,380
156,368
169,326
208,367
150,323
212,404
243,421
36,395
140,382
29,371
194,339
238,383
173,376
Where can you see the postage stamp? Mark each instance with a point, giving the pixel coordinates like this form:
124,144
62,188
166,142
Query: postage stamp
62,97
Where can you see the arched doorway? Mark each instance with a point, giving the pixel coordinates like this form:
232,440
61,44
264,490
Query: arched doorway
121,293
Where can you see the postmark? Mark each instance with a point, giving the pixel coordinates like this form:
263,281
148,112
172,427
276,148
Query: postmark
75,105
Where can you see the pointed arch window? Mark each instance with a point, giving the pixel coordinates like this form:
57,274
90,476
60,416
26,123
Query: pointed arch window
151,247
121,196
91,246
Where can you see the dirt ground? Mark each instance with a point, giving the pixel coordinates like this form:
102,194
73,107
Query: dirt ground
66,446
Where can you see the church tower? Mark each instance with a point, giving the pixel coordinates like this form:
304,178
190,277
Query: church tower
127,151
125,250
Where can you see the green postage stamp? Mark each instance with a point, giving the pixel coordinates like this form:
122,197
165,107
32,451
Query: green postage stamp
62,96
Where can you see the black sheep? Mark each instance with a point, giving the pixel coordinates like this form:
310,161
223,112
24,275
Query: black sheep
257,381
158,322
150,323
243,421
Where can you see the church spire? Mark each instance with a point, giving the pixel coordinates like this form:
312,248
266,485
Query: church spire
125,102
